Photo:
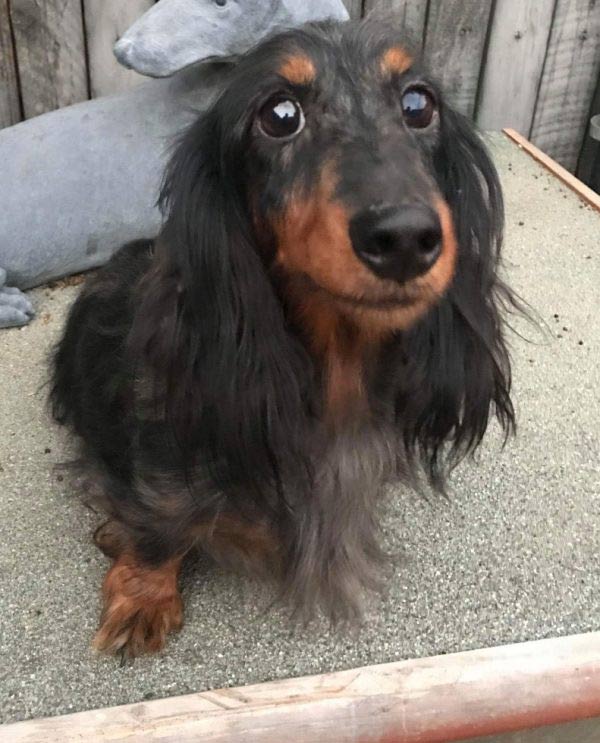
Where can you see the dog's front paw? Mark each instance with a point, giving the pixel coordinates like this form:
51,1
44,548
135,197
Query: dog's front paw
141,607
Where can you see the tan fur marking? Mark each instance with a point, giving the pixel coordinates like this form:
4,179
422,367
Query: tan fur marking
141,606
440,275
240,544
345,368
299,70
342,347
396,60
313,241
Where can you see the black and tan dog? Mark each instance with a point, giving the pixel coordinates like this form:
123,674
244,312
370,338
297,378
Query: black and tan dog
319,317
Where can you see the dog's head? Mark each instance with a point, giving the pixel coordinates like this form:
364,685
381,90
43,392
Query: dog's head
337,157
332,183
343,147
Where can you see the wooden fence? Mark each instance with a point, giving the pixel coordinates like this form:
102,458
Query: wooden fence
532,65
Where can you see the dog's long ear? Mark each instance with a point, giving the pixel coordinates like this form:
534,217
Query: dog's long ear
458,365
470,184
210,322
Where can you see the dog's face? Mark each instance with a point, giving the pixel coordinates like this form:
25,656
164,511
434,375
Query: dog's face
338,140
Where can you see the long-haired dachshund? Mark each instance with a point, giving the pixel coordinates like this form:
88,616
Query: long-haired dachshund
319,317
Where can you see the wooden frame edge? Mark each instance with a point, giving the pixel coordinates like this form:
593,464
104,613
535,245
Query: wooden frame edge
430,700
584,192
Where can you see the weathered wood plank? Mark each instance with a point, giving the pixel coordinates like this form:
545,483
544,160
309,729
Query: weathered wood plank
441,699
10,107
517,49
410,15
454,45
105,22
354,7
567,86
51,53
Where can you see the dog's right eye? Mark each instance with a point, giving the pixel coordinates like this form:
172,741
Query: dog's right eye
281,118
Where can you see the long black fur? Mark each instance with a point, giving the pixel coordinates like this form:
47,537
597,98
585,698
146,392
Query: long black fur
194,392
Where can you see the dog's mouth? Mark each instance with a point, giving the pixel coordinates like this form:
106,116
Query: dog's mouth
401,298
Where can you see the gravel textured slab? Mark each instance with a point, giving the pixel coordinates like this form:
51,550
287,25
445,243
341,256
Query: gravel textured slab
513,556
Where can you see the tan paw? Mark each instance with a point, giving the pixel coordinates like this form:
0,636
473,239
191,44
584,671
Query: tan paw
141,607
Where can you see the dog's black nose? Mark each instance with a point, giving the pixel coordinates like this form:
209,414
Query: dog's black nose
397,243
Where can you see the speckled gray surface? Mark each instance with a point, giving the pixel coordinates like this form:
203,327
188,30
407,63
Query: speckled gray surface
513,556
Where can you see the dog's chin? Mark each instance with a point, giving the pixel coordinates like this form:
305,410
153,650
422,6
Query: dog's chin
400,298
380,304
381,317
379,313
374,309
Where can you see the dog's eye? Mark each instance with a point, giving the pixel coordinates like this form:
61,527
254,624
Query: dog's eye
418,106
281,118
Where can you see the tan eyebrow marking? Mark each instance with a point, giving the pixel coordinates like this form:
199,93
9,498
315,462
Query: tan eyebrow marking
395,60
299,70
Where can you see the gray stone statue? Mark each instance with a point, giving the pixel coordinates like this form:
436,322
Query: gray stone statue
175,34
77,183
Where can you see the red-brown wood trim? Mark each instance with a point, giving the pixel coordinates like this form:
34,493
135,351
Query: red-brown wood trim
583,191
430,700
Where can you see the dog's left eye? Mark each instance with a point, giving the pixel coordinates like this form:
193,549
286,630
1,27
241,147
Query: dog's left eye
418,106
281,118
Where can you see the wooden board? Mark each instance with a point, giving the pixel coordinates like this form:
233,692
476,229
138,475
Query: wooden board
409,14
454,46
431,700
354,7
51,53
10,106
568,82
105,22
517,48
589,196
